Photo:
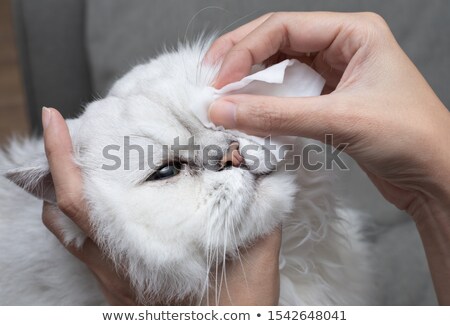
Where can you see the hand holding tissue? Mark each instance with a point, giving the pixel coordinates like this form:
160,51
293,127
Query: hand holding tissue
289,78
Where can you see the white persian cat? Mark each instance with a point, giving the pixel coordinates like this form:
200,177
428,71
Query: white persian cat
171,224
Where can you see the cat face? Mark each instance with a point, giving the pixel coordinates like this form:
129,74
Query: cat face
170,215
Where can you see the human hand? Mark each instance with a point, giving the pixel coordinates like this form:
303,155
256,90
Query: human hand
68,185
254,282
253,279
378,102
375,100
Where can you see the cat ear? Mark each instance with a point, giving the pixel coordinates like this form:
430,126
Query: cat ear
34,175
35,179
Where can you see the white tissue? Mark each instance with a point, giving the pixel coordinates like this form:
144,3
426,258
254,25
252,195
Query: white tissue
289,78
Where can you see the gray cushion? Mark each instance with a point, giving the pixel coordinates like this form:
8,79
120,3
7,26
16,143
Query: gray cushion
51,41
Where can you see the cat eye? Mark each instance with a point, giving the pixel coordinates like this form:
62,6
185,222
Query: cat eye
166,171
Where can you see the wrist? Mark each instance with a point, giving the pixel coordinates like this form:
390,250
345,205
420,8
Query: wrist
433,189
425,210
432,219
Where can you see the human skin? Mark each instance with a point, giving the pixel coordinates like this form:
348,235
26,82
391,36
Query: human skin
375,100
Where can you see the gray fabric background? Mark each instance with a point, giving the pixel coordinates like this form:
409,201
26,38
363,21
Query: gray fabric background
50,37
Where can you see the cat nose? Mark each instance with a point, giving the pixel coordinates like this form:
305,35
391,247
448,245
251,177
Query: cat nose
232,156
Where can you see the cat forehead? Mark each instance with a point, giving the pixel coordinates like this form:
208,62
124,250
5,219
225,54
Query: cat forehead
152,101
174,75
113,118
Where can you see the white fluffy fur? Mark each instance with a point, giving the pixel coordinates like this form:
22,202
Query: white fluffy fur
171,235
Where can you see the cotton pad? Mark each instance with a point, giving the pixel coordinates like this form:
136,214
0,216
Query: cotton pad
289,78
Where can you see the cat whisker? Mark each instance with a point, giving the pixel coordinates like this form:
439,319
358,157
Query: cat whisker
217,275
237,21
224,268
208,267
239,252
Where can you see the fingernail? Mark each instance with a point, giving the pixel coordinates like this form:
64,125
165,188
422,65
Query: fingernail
46,116
223,113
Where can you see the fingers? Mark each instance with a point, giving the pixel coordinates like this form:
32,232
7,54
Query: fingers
272,242
224,43
310,117
299,32
50,218
265,251
114,284
65,173
68,185
254,279
89,253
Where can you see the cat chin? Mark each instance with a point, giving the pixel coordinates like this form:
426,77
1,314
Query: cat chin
274,201
243,206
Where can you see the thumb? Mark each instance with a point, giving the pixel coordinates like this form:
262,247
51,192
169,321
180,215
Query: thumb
310,117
